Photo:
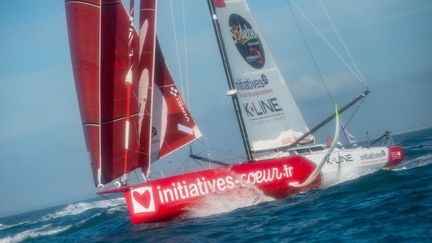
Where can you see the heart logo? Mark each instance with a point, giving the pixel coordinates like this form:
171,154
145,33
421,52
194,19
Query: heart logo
143,199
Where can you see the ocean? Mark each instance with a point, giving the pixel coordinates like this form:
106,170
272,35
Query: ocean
387,205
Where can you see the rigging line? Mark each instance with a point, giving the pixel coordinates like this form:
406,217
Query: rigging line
186,58
176,45
206,143
198,163
326,41
185,164
354,112
363,80
136,175
228,152
310,53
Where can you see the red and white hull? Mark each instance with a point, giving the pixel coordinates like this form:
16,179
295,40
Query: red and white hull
171,197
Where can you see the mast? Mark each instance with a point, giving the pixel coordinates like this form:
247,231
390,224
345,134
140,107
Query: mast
128,81
232,91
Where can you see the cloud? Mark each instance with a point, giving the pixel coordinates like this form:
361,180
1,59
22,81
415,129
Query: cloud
308,87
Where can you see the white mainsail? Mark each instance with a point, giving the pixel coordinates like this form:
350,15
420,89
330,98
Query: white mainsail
270,114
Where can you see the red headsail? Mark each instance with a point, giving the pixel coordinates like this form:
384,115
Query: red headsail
173,126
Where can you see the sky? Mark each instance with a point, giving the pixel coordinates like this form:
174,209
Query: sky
43,159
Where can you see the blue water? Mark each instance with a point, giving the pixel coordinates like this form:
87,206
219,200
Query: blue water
388,205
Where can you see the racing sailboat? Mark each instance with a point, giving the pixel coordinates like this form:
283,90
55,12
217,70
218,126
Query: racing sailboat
133,113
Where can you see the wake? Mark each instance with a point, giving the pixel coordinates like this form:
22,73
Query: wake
414,163
222,203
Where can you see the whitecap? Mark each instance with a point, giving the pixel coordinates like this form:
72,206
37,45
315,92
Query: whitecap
4,226
34,233
81,207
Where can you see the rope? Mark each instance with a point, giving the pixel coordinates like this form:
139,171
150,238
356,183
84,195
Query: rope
176,45
326,41
186,55
311,55
209,153
363,80
355,111
224,151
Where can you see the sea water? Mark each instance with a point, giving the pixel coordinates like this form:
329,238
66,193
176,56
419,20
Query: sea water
387,205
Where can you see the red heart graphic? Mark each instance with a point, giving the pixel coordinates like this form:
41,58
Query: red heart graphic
143,199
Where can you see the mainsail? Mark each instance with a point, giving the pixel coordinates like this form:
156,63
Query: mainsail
270,114
103,54
99,34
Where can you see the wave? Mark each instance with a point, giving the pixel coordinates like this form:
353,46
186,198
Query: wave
81,207
4,226
35,233
62,219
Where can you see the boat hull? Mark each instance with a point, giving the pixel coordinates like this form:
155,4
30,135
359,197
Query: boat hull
345,164
168,198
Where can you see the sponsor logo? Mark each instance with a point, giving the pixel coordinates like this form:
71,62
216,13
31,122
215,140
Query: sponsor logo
339,159
259,108
142,200
396,155
372,156
174,92
180,190
246,41
248,84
